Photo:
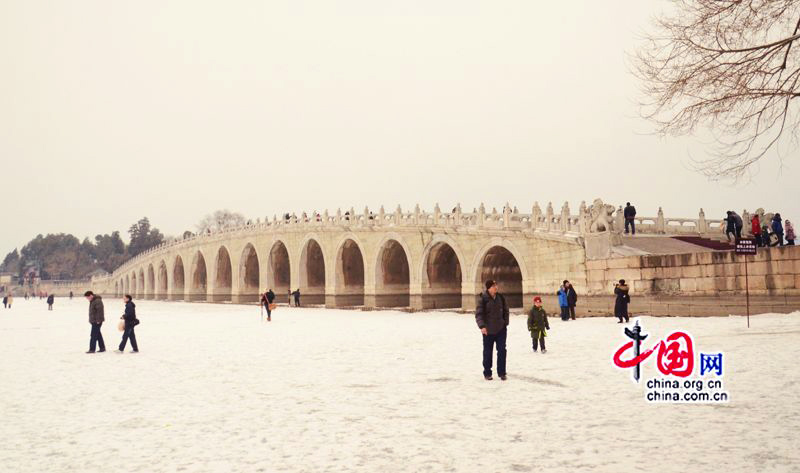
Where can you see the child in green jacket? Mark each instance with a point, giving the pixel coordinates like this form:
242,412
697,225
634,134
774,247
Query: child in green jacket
538,324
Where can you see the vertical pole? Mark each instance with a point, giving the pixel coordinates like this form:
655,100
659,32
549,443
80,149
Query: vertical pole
747,291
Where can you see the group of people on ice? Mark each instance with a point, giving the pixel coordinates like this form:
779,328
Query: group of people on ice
97,317
492,317
766,233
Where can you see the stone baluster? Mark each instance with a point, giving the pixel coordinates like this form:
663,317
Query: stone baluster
536,215
619,220
507,215
661,225
352,215
366,221
457,215
398,215
339,216
436,213
381,216
549,216
746,222
481,215
583,218
702,225
516,210
565,217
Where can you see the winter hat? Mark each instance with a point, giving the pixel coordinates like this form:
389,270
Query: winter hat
537,299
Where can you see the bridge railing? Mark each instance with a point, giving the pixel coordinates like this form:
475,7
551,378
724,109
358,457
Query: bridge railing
538,220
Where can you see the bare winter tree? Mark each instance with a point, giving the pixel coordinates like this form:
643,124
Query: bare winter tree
219,220
732,66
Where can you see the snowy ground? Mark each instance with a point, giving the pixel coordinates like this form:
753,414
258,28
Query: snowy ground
214,389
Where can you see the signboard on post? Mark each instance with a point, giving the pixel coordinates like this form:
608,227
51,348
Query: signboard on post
746,246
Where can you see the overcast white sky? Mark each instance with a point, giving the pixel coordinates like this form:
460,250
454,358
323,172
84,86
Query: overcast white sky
114,110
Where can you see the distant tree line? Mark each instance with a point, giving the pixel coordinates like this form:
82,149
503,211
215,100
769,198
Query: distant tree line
64,256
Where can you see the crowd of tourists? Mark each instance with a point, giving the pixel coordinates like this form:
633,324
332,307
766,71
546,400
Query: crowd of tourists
770,232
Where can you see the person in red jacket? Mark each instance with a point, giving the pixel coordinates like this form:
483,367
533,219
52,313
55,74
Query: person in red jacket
756,229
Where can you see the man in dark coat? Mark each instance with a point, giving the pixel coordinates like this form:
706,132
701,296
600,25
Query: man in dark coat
96,319
491,315
266,300
296,295
572,298
630,214
50,300
130,323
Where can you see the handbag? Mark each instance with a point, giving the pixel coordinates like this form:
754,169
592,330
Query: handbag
272,306
121,325
135,322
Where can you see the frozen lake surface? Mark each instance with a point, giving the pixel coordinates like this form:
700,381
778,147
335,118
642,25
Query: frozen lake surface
214,389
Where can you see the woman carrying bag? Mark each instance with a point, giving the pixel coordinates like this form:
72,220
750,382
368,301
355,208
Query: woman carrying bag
130,322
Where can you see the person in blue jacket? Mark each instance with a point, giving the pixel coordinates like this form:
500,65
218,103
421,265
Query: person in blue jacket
777,228
563,300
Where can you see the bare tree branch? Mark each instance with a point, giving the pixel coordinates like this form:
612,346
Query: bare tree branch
730,66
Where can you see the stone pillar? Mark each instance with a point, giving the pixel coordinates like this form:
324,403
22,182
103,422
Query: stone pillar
436,214
619,220
702,225
565,217
661,225
481,215
549,216
507,215
398,215
381,216
457,215
416,214
536,215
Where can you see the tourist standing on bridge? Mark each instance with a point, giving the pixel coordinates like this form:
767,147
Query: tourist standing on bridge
491,316
5,302
289,294
777,228
130,322
296,295
730,225
562,301
623,299
50,299
755,229
96,319
538,324
789,233
630,214
266,300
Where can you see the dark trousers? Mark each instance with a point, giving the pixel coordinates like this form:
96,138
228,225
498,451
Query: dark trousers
269,312
632,224
489,341
128,333
97,338
572,312
297,301
780,239
540,341
564,313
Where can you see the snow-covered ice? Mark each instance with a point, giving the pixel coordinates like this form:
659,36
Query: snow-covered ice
215,389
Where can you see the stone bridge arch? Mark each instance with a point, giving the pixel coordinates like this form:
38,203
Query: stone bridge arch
198,279
349,271
501,260
249,274
392,270
178,290
279,270
442,273
312,269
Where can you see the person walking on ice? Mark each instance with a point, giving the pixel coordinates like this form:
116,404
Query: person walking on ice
50,299
266,301
130,322
491,315
96,319
538,324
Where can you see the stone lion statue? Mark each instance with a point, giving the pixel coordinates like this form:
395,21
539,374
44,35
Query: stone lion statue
600,217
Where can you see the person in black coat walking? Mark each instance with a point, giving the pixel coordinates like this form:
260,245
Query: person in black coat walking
491,315
50,300
296,295
621,304
266,300
96,319
130,322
